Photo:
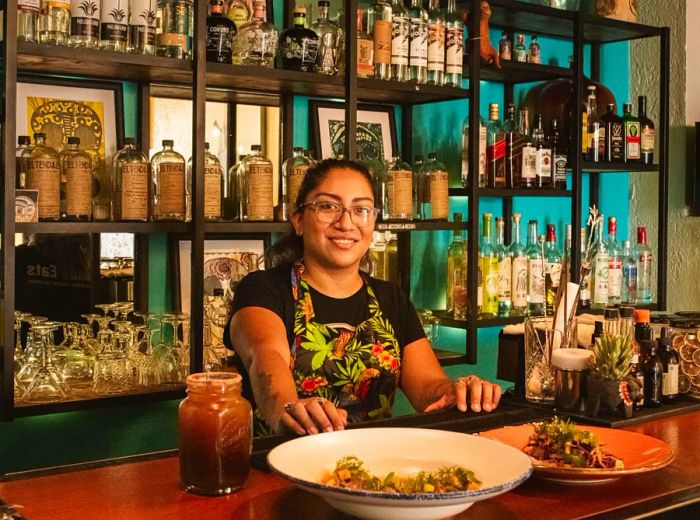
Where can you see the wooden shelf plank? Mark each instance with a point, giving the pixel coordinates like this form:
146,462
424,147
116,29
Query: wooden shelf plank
603,167
522,192
247,227
518,72
103,227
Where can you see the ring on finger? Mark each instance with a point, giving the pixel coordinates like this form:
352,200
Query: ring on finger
321,400
289,405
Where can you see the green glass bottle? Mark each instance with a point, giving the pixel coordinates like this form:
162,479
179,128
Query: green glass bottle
488,258
504,270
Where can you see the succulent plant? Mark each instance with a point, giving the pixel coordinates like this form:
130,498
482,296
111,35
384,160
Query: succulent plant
612,357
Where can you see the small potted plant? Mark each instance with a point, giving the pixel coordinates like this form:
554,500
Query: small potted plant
609,386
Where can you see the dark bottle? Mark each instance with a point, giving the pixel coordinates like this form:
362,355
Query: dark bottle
633,138
495,150
643,334
221,32
514,148
559,156
647,132
597,332
653,374
543,160
24,144
299,45
613,148
671,365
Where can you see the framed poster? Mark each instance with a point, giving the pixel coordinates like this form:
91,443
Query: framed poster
375,134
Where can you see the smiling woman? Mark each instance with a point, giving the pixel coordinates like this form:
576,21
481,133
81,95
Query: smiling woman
322,344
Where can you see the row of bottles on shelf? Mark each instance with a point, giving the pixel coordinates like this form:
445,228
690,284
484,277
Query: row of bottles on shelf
519,52
520,279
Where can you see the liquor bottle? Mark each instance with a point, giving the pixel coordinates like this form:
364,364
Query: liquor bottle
632,135
518,277
239,12
568,240
535,272
293,171
418,43
629,274
594,127
330,37
114,25
534,51
488,258
129,201
175,28
434,190
614,142
391,257
142,27
653,374
457,274
454,45
514,148
84,23
495,150
482,153
644,267
28,12
381,33
213,185
520,51
647,132
76,182
398,191
671,364
600,271
168,191
543,155
377,254
528,169
584,300
436,44
417,167
559,156
221,32
505,47
552,268
44,175
400,28
505,266
256,40
54,22
232,191
24,147
365,50
256,187
299,45
614,264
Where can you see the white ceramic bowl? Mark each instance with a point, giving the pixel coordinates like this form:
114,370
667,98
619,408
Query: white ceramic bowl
405,451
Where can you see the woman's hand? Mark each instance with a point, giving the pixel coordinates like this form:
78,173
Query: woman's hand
473,392
313,415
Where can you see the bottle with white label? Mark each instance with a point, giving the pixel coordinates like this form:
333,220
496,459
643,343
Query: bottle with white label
400,28
671,364
454,45
584,301
293,172
398,191
130,183
528,164
535,272
76,182
142,27
543,154
84,23
213,186
518,276
552,268
44,175
169,200
614,264
114,25
505,263
418,42
466,177
381,33
644,267
629,273
435,200
600,270
256,187
436,44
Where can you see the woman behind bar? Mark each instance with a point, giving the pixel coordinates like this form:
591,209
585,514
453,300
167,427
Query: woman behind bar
320,342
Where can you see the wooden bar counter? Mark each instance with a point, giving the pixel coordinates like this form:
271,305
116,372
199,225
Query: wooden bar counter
150,490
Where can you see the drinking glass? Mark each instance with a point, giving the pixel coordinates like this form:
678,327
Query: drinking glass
431,324
47,385
148,371
110,373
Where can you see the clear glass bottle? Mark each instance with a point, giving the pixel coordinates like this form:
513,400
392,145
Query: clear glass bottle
543,156
142,27
114,25
436,44
457,274
495,150
130,183
239,12
505,266
534,54
519,263
644,267
418,44
44,175
434,190
293,171
28,12
84,23
76,182
535,272
256,187
633,130
365,50
418,162
614,264
646,127
24,147
330,37
454,45
482,153
213,186
552,267
514,148
221,32
392,257
629,274
256,41
381,33
585,292
520,51
505,47
398,191
232,191
400,28
54,22
175,28
528,170
600,271
378,255
168,191
488,258
595,126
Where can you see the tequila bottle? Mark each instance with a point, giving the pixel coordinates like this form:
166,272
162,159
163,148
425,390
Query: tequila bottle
505,47
518,277
466,177
614,142
633,140
381,33
436,44
256,187
488,258
27,20
84,23
614,264
293,172
534,51
644,267
398,191
76,182
400,28
457,274
130,183
239,12
44,175
142,26
520,51
552,268
528,169
365,50
114,25
434,190
629,274
646,127
596,127
54,22
600,271
175,28
514,148
169,199
559,156
256,41
418,161
535,272
213,186
495,150
505,266
330,37
543,154
220,34
418,43
454,45
232,191
585,292
24,147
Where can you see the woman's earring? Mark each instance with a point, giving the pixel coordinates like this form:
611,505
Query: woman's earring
298,232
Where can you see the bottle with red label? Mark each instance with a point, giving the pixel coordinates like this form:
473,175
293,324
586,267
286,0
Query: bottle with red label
495,150
646,130
633,139
614,264
644,267
543,154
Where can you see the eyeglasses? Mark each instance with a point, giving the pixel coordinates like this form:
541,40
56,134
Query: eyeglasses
329,212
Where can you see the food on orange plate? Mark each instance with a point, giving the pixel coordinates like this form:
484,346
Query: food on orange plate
560,443
350,473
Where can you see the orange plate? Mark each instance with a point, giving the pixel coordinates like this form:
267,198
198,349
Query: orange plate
639,453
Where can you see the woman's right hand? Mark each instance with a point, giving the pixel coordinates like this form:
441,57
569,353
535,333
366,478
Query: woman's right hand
313,415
